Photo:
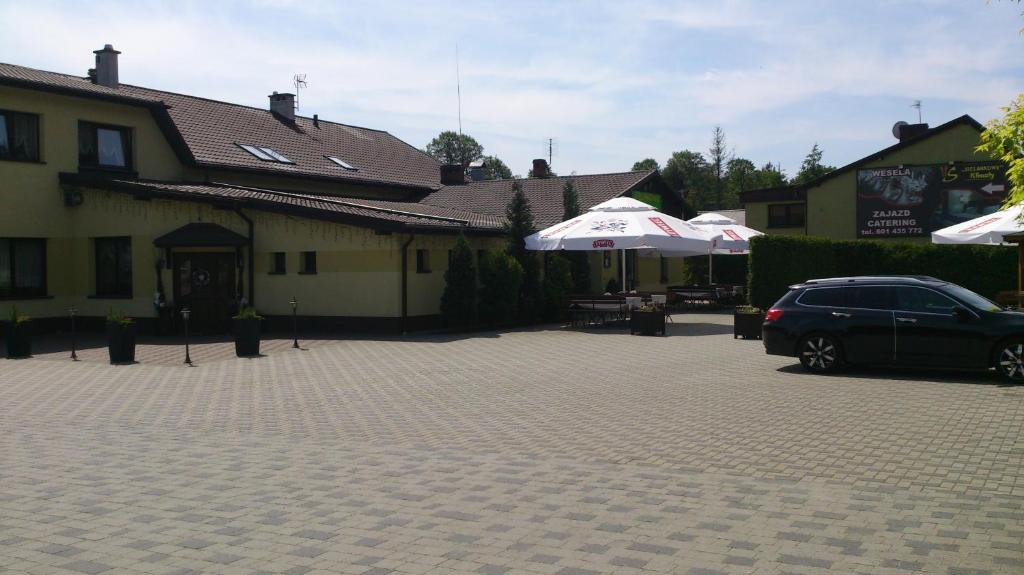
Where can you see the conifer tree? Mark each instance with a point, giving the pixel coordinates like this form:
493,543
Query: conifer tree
459,300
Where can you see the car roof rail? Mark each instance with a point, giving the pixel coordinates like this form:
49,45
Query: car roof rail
876,278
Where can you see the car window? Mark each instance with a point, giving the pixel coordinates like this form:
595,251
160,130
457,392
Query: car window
972,299
869,297
823,297
923,301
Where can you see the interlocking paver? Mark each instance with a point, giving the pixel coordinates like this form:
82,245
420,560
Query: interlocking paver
544,450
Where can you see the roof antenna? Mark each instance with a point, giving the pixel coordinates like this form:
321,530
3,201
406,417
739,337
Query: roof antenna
917,104
300,82
552,148
458,89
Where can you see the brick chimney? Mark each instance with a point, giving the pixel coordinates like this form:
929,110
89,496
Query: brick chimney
283,105
540,168
105,72
452,174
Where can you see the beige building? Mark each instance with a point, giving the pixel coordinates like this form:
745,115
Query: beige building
118,197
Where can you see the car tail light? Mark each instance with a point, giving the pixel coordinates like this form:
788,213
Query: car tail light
773,314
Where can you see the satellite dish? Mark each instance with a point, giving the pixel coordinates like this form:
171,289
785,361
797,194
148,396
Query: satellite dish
897,128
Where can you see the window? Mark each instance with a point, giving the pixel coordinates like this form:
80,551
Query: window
19,136
107,147
606,259
869,297
266,154
787,216
422,261
922,300
342,163
664,269
277,263
823,297
22,267
308,265
113,267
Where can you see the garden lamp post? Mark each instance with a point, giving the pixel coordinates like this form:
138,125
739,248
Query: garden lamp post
72,311
185,313
295,324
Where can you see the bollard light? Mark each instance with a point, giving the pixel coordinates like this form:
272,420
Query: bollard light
73,311
185,314
295,324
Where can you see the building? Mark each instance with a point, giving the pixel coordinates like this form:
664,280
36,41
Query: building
118,197
932,178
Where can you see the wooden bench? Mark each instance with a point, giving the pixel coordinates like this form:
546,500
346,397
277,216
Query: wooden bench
590,308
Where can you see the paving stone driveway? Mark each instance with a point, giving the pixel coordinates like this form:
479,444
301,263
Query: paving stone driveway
540,451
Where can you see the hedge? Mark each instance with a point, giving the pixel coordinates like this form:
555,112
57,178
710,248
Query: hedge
776,262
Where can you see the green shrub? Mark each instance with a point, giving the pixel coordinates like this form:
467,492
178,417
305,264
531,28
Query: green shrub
19,318
247,312
557,286
501,278
613,286
118,318
776,262
458,303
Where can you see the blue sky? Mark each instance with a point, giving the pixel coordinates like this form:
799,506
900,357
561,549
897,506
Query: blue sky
613,82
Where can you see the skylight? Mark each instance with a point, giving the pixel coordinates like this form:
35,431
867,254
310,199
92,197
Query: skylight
266,154
342,163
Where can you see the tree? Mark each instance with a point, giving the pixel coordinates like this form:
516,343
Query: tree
459,300
558,284
645,165
740,176
501,279
718,159
811,168
495,169
1003,139
769,176
579,261
686,172
519,223
451,148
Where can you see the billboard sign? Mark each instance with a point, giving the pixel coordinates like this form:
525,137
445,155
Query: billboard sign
913,201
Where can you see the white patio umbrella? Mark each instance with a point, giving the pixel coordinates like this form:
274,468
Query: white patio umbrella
729,236
623,224
987,230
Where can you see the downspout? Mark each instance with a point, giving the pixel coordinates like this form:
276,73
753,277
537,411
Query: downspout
405,280
252,256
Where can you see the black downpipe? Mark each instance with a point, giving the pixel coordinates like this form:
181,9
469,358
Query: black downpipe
252,257
405,280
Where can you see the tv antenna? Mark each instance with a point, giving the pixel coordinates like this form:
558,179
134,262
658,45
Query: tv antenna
917,104
550,148
458,89
299,80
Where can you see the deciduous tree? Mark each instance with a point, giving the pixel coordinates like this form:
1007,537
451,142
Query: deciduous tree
451,148
1003,139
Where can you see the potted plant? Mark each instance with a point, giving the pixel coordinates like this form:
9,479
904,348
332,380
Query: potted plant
747,322
120,337
19,335
247,332
647,319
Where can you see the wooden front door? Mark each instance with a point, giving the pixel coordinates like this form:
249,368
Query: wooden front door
204,282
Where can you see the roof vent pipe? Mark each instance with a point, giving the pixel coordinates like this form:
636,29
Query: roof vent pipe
106,67
283,105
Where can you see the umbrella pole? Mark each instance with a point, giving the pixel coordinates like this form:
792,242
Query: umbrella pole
711,269
622,254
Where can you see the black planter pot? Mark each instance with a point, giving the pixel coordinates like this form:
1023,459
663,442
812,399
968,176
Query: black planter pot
121,342
19,340
747,325
247,337
647,322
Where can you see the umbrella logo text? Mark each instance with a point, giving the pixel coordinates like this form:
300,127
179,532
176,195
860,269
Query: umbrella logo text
604,244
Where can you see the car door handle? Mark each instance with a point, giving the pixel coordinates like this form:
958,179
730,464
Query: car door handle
906,320
840,314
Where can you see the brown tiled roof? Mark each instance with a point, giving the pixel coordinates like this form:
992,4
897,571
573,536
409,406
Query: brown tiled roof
367,213
545,194
210,130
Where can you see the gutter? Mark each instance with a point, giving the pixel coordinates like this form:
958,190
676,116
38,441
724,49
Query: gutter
252,256
405,282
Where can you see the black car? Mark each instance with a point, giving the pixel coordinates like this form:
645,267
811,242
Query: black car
906,320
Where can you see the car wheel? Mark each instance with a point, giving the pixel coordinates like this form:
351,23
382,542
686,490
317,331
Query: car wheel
820,353
1010,360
